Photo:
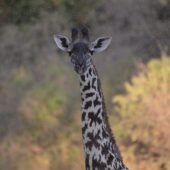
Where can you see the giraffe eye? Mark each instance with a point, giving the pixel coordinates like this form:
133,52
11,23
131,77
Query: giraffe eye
69,53
91,52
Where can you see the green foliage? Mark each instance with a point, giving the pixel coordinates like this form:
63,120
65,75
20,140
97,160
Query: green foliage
22,77
149,84
21,11
145,111
79,11
43,125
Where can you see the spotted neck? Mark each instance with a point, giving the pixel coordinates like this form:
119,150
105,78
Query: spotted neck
101,151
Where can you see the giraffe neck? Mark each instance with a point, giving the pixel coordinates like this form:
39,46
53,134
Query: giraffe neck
101,151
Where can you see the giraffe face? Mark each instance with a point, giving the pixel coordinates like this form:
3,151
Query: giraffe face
81,50
80,57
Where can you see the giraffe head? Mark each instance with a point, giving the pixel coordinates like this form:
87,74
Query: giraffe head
80,49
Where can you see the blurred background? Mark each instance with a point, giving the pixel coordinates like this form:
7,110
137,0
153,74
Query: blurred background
39,91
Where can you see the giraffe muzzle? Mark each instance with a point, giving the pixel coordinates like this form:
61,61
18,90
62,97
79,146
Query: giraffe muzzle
80,68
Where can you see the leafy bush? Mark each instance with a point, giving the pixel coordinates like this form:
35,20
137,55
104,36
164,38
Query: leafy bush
146,111
78,11
21,11
163,11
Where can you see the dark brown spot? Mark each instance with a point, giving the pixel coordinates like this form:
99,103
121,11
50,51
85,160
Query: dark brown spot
88,104
82,77
89,95
93,81
110,159
87,87
96,102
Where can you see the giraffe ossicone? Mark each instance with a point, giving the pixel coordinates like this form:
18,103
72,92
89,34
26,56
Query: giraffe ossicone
101,151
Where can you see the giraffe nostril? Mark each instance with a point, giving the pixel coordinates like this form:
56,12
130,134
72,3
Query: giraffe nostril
81,65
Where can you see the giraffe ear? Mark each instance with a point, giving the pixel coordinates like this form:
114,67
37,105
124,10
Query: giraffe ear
100,44
62,42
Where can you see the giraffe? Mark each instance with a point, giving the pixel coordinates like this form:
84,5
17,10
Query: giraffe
101,151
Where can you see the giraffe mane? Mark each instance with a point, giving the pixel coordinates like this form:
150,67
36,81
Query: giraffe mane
106,118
